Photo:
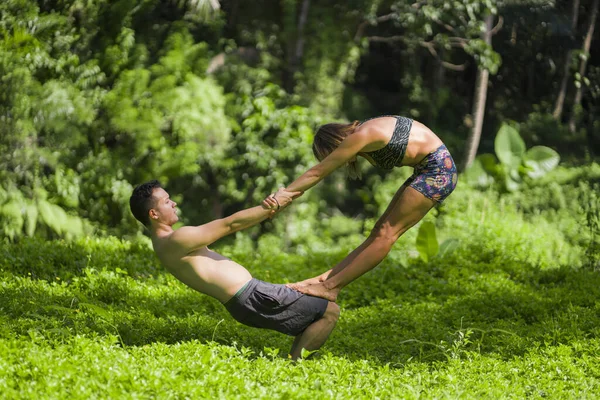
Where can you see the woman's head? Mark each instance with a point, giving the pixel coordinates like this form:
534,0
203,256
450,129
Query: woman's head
329,137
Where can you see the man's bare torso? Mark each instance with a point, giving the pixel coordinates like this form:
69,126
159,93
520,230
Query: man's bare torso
202,269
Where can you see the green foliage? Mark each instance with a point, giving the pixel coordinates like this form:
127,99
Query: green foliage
509,306
591,205
435,22
428,245
515,162
509,146
99,96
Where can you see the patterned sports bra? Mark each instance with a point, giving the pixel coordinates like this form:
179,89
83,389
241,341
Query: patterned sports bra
392,154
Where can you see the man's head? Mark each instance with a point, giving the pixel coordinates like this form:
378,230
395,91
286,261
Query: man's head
150,202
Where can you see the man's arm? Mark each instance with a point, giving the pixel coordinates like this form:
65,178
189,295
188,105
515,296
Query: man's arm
193,237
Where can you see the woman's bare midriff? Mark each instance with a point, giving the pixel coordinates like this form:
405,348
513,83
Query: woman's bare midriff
421,142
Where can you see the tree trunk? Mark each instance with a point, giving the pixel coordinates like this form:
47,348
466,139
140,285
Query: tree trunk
440,72
560,99
232,17
297,52
586,50
481,85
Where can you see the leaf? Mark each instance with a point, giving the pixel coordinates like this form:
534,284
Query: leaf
541,160
59,308
448,246
31,216
12,218
99,311
58,220
509,146
489,163
511,184
304,354
47,215
427,243
514,175
476,176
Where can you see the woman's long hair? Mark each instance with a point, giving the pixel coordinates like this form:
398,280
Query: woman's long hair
329,137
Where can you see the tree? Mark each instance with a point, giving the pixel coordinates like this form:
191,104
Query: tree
560,99
580,82
481,88
295,48
441,26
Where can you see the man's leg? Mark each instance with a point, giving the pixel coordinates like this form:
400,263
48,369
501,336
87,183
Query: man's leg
317,333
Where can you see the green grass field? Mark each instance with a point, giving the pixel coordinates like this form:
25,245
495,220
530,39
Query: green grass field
513,312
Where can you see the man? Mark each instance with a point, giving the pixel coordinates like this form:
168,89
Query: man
185,254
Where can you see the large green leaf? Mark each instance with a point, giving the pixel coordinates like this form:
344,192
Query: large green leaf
427,243
53,216
509,146
540,160
448,246
31,214
11,215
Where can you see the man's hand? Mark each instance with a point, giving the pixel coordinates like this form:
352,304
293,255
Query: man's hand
270,203
279,200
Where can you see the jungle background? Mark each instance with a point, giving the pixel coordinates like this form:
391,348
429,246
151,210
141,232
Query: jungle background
219,100
494,295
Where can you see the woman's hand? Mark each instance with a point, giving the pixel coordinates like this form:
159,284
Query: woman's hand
279,200
284,197
270,203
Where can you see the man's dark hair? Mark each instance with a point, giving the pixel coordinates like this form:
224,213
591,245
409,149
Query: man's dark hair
141,201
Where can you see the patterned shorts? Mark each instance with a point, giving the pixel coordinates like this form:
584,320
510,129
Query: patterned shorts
435,176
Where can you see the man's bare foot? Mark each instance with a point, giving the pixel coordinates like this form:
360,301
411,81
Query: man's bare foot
317,290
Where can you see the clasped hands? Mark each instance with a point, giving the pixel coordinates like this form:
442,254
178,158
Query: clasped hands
279,200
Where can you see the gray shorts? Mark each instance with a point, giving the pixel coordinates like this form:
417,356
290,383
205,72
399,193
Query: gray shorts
267,305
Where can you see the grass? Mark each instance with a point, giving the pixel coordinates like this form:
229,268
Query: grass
512,313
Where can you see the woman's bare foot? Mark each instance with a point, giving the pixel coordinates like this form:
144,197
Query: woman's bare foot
317,290
297,285
306,282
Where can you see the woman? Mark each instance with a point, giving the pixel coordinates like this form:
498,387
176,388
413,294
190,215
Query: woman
386,142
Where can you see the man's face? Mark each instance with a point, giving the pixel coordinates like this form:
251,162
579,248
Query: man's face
164,208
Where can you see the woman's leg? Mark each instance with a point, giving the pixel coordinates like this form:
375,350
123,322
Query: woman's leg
407,208
350,257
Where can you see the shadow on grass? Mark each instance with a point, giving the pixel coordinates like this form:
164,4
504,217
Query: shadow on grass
393,315
493,314
40,259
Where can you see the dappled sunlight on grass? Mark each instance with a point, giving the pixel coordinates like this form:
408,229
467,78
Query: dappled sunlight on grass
513,305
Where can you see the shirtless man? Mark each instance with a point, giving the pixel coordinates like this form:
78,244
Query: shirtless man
185,254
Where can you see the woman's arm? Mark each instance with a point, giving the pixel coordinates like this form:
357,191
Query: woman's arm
346,151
